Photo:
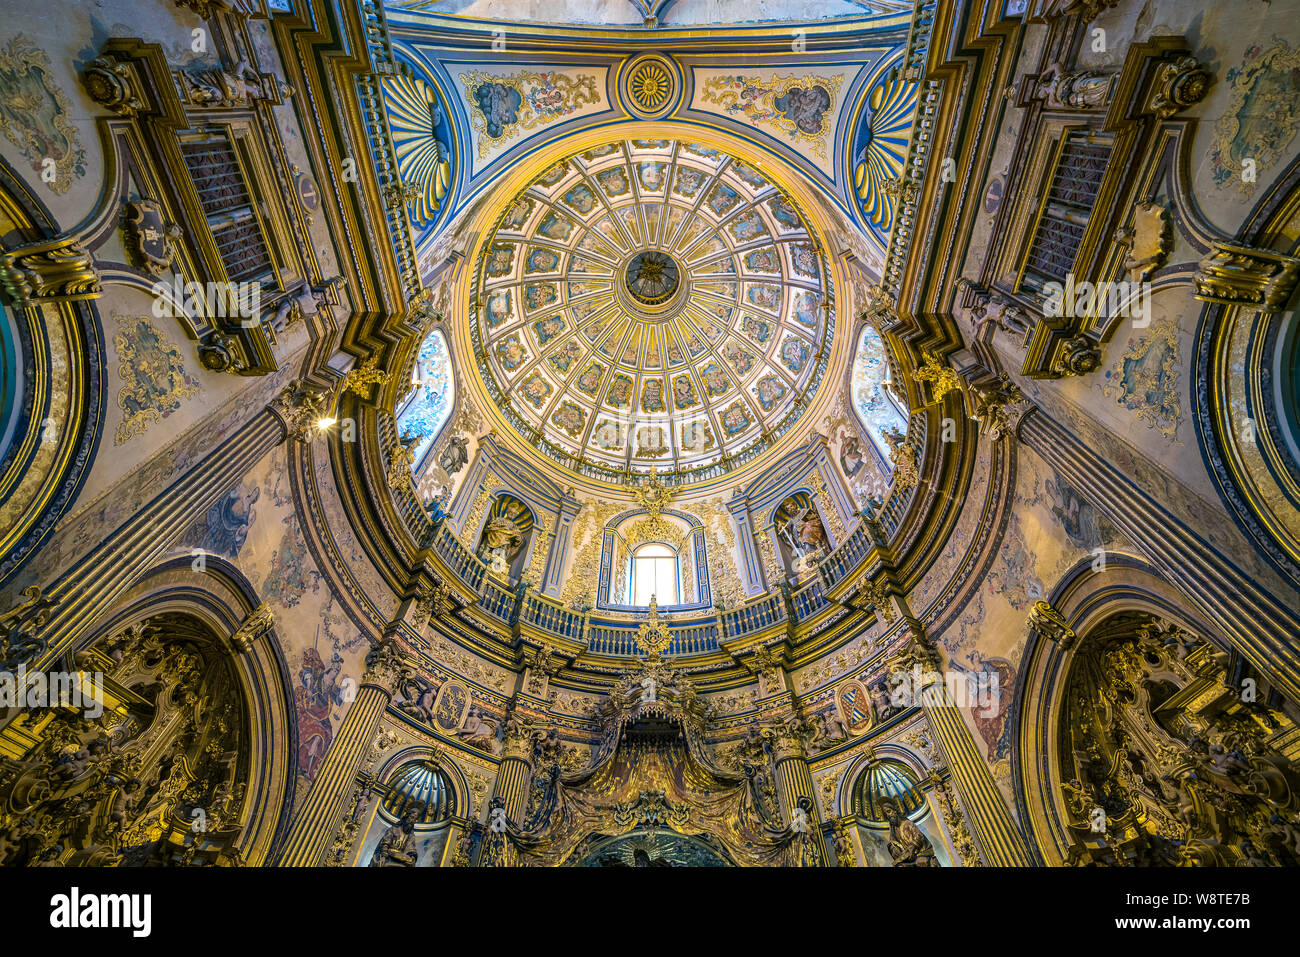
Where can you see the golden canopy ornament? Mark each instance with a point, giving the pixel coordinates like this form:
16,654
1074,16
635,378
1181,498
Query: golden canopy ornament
653,634
653,496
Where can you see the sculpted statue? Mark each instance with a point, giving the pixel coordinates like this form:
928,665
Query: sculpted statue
826,730
502,540
907,845
479,732
421,708
397,847
803,530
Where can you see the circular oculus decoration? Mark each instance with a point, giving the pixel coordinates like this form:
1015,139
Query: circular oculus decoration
652,277
650,85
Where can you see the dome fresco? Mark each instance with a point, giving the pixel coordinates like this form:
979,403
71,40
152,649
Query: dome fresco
652,304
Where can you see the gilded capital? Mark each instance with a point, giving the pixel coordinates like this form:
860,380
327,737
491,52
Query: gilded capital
1234,275
57,270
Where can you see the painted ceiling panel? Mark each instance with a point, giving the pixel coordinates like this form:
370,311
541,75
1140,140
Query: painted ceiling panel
652,303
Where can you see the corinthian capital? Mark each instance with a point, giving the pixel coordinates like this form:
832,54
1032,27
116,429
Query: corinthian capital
998,405
384,665
303,409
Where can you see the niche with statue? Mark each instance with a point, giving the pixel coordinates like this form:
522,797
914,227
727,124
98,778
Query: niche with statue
800,534
503,543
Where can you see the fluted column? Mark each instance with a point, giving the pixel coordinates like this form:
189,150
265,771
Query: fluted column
1263,629
1000,841
313,829
996,833
88,589
793,782
515,772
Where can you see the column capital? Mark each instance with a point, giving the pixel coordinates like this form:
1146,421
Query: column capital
302,408
788,741
998,404
385,663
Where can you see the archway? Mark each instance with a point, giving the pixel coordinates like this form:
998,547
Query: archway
148,763
1162,748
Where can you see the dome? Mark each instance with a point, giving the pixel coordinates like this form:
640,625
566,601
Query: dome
652,304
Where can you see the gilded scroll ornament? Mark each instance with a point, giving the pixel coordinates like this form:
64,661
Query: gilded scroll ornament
1046,622
1235,275
20,628
1260,121
401,461
771,565
802,108
110,84
1149,238
874,594
1179,84
876,304
903,454
486,487
1079,356
57,270
537,553
586,542
502,105
258,623
943,377
653,496
360,378
154,379
829,508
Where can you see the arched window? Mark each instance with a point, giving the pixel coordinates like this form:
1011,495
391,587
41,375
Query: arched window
654,573
426,410
873,398
420,786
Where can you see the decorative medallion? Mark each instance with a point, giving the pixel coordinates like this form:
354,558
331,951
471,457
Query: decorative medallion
36,117
651,85
652,277
451,706
855,706
1262,118
154,380
151,235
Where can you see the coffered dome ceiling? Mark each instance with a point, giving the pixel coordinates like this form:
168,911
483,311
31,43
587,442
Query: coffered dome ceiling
651,303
